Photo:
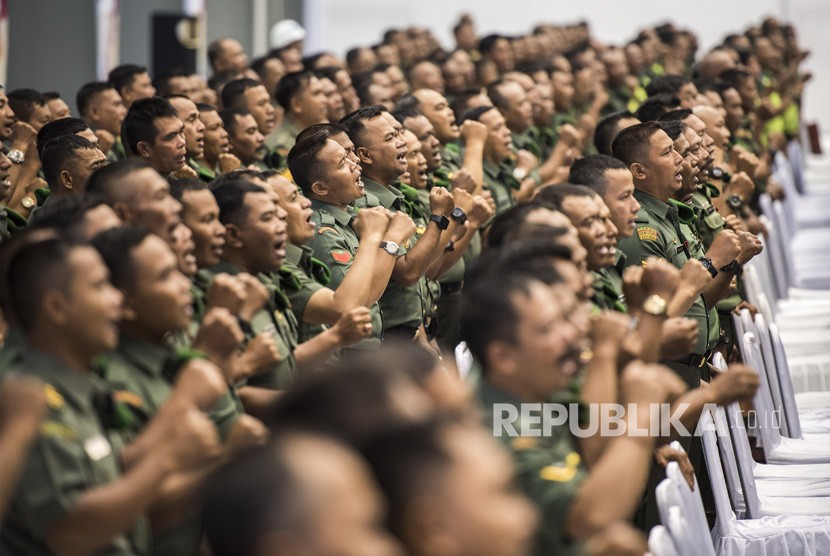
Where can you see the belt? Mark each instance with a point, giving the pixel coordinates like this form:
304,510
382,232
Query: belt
451,287
408,333
696,360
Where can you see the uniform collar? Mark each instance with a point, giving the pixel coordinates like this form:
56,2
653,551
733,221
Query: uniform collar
294,254
343,217
390,197
653,205
148,358
684,211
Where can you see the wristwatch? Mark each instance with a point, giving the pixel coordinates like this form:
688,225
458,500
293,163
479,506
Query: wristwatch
733,267
735,202
655,305
519,173
28,202
390,247
450,247
707,264
459,215
442,221
16,156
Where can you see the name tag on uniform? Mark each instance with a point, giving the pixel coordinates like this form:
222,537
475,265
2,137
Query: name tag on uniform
710,209
97,447
680,248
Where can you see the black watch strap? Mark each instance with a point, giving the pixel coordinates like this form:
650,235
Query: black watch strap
442,221
707,264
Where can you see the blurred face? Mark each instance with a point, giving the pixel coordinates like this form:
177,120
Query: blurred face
687,95
663,166
344,85
5,176
107,111
246,140
426,75
335,108
584,213
343,140
58,108
384,156
272,71
397,82
343,183
546,108
690,170
99,219
6,116
151,205
616,66
40,116
194,129
140,87
232,57
258,102
93,305
425,133
297,208
309,107
698,153
480,509
200,213
620,201
715,125
81,167
563,89
499,139
519,112
545,357
699,127
167,152
215,136
183,247
748,93
159,299
734,109
416,164
261,237
437,110
502,56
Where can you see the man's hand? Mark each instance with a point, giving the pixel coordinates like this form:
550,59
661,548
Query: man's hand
372,222
742,186
23,136
736,385
750,246
219,336
481,211
227,292
526,160
184,172
401,228
259,355
679,337
734,223
650,383
570,135
228,163
664,454
200,383
473,132
463,200
632,286
105,140
191,436
246,432
440,201
463,179
609,329
353,326
256,295
660,277
694,275
724,248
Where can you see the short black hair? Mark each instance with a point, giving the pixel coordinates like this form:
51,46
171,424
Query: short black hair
494,92
354,122
65,213
654,107
673,128
31,264
678,115
632,144
304,160
230,196
666,84
123,75
474,114
107,180
607,129
735,77
116,247
58,128
329,129
179,186
88,92
554,196
58,152
162,82
229,116
291,85
590,171
233,93
486,44
139,123
23,102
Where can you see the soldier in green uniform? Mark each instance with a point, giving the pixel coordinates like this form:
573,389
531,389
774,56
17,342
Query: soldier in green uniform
657,170
194,135
501,322
153,131
382,151
100,105
246,141
303,98
74,480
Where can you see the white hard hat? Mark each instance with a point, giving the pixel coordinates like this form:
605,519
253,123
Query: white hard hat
285,32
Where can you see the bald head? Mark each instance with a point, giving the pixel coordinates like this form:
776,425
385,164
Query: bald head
715,63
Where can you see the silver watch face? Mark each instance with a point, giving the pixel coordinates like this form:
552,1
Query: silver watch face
392,247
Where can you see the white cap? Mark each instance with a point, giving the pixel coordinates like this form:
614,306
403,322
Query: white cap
286,32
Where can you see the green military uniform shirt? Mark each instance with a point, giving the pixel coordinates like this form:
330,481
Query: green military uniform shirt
335,245
401,305
278,319
499,179
549,470
301,276
283,138
708,221
608,286
204,173
73,453
659,234
528,140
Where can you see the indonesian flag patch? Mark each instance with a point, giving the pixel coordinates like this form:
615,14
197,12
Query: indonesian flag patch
341,256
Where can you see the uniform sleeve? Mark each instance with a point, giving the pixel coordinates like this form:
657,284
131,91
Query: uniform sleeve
333,249
298,287
646,242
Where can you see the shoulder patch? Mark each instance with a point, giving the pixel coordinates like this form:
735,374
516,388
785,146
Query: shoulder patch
341,256
57,429
53,398
647,233
129,398
324,229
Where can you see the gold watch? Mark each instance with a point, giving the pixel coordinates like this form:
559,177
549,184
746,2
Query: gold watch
655,305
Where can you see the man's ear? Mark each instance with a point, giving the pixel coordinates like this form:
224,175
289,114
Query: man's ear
122,209
294,105
128,312
232,236
320,188
364,155
638,171
500,358
54,307
66,179
143,148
